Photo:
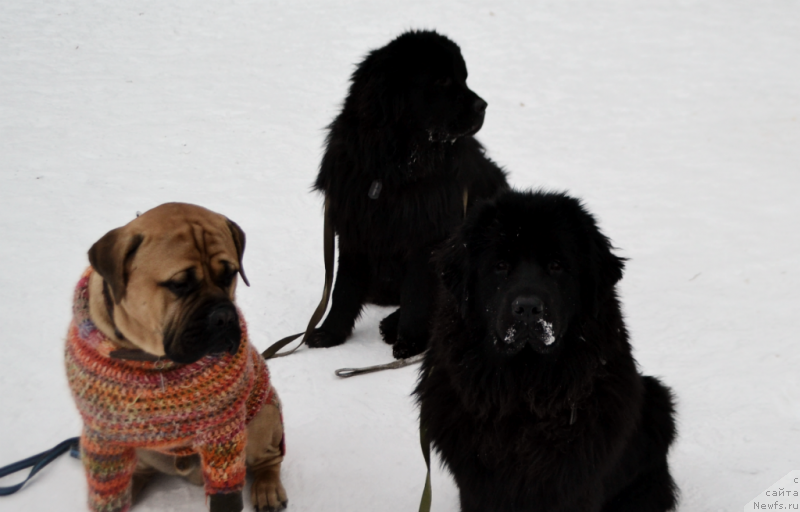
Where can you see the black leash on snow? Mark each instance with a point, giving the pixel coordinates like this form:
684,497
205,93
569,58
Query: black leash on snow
37,462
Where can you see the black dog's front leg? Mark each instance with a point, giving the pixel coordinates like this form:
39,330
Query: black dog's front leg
388,327
349,294
416,304
228,502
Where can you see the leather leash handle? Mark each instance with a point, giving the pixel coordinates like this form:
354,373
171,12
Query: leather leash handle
38,461
400,363
329,247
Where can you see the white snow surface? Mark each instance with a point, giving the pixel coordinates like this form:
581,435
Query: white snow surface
676,122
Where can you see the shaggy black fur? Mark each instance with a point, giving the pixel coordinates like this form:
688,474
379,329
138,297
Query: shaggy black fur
529,390
399,157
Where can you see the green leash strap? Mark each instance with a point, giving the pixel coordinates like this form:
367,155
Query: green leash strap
329,247
425,502
400,363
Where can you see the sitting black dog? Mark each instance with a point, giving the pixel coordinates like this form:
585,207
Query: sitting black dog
529,390
399,165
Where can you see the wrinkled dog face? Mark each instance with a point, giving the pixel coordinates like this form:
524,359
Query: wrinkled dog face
202,318
171,276
425,83
527,268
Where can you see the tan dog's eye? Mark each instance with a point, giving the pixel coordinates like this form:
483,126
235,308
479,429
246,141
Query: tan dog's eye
226,278
181,287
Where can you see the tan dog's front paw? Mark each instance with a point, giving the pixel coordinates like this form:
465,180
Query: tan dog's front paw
267,493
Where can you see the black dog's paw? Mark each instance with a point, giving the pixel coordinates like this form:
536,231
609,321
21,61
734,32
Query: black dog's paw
227,502
388,327
324,339
408,346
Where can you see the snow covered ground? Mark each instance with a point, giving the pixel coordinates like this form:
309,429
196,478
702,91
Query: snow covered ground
676,121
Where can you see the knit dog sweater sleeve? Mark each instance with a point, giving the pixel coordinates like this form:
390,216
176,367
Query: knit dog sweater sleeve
201,407
109,470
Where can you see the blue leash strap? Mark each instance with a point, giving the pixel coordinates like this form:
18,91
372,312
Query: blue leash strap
38,461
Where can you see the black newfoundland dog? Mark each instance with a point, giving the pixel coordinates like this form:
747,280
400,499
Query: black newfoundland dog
400,163
529,390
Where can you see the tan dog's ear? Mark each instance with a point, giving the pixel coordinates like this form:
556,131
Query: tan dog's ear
238,240
110,257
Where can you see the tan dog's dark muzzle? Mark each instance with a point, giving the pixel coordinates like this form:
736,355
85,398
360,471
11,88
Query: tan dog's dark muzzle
210,328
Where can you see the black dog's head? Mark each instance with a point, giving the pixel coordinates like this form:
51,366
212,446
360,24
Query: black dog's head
527,267
418,81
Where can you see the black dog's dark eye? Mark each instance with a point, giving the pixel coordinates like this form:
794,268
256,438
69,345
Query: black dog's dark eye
555,266
501,267
443,82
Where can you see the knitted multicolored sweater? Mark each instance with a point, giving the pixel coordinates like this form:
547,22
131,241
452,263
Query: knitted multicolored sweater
201,407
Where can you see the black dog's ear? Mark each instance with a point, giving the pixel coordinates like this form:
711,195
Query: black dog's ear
605,271
380,98
453,269
385,106
392,106
111,256
238,241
